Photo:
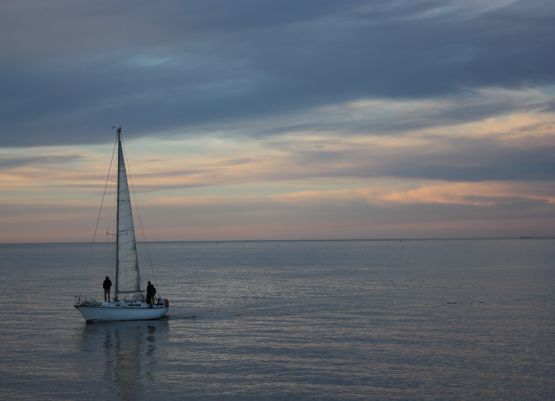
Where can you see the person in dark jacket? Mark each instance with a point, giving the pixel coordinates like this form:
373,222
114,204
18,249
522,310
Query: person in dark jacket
107,285
150,292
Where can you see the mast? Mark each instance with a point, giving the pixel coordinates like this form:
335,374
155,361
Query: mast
117,213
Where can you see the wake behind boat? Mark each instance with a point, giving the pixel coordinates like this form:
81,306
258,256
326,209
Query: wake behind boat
132,305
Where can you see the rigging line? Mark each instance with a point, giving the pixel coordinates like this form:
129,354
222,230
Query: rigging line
139,216
87,266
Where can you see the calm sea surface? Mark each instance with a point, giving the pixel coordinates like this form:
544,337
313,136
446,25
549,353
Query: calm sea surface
354,320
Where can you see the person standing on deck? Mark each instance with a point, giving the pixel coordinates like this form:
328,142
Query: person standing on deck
150,292
107,285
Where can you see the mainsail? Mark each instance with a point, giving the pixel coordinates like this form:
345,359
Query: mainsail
128,280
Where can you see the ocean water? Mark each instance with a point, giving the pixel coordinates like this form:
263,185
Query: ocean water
346,320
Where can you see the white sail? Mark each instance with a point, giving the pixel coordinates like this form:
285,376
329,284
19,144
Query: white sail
128,280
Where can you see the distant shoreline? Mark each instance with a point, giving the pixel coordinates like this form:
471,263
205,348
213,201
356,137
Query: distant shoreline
301,240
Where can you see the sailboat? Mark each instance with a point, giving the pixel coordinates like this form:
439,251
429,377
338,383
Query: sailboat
129,302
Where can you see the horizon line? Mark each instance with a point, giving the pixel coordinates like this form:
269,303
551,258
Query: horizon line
385,239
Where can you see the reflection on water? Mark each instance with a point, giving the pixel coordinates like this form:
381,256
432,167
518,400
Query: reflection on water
130,352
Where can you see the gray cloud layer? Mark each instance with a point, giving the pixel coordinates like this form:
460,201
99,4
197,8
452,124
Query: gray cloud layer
69,70
7,162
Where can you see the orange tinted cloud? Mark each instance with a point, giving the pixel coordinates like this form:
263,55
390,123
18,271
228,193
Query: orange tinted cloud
301,181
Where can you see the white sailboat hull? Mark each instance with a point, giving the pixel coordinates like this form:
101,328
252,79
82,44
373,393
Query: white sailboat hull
110,312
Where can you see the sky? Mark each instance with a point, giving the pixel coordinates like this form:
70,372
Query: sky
290,119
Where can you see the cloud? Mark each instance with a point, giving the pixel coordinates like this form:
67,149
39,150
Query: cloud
7,162
514,147
523,108
255,117
359,213
72,69
486,194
